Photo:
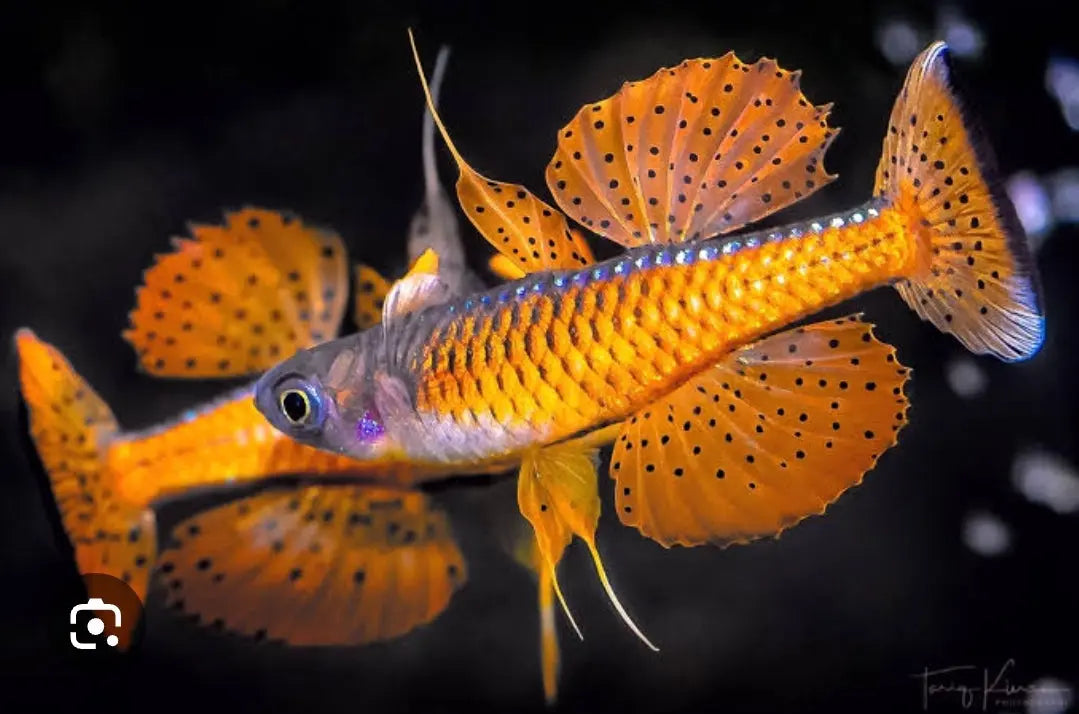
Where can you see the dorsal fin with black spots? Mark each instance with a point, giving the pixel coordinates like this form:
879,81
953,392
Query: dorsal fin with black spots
693,151
369,291
237,298
532,234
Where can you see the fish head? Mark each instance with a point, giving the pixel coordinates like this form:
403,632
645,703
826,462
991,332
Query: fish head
337,396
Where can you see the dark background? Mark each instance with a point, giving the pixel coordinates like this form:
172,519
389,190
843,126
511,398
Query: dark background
122,122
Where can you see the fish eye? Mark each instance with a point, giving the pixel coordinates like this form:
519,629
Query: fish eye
295,405
299,403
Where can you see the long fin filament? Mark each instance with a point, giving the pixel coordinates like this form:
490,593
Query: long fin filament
602,573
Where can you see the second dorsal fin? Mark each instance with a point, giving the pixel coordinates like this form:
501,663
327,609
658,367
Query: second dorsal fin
693,151
239,297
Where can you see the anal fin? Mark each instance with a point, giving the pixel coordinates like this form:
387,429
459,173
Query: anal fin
321,565
772,434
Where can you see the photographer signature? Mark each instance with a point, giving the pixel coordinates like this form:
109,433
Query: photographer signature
993,688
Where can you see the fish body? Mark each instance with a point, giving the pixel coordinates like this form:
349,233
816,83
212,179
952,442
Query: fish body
729,424
220,443
570,351
251,286
564,352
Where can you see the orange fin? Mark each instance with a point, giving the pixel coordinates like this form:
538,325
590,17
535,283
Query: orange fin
557,493
370,290
72,428
691,152
239,298
977,280
526,551
322,565
771,435
526,230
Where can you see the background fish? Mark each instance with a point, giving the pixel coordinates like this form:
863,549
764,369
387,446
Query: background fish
221,305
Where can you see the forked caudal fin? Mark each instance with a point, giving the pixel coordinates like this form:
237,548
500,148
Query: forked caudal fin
976,278
72,427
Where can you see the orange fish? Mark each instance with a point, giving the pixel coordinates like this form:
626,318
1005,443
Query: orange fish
226,303
728,424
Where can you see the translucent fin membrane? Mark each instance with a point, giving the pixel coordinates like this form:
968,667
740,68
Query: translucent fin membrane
333,565
557,493
239,297
693,151
72,427
526,230
771,435
977,279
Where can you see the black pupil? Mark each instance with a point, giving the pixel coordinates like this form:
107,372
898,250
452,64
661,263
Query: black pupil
295,406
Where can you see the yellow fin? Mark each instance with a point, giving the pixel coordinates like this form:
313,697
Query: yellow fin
505,268
71,427
526,230
693,151
369,294
426,263
773,434
239,297
557,493
322,565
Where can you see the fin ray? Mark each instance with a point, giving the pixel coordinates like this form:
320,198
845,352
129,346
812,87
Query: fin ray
557,494
521,226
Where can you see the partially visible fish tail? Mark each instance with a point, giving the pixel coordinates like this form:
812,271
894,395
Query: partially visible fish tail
72,428
974,276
